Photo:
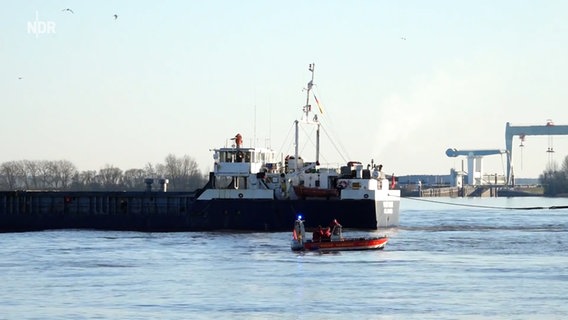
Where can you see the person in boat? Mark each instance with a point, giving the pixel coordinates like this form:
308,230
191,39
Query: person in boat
335,226
334,223
318,234
326,234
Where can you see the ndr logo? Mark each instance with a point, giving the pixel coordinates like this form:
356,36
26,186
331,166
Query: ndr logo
38,27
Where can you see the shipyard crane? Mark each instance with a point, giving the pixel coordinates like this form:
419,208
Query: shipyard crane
549,129
474,162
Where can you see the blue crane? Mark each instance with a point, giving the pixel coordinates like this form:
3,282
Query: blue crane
474,161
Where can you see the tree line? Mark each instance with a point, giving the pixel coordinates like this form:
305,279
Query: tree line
182,173
555,180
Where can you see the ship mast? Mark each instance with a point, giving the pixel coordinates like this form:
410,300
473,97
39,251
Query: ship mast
307,109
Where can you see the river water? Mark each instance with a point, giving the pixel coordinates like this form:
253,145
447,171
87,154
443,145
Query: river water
449,259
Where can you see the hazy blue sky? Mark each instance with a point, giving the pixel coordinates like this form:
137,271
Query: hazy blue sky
401,81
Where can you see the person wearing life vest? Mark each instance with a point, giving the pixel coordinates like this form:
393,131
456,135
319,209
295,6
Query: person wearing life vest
317,235
334,223
238,140
335,226
326,236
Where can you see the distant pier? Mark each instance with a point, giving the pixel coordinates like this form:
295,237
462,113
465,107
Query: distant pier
475,191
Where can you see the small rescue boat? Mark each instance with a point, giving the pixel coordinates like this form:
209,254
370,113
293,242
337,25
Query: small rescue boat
331,239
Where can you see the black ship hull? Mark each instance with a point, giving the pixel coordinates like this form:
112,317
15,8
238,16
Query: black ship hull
175,212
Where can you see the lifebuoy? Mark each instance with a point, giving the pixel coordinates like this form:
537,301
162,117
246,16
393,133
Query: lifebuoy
240,195
343,184
366,196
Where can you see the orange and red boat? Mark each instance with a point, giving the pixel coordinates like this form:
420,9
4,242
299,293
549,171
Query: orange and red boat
331,239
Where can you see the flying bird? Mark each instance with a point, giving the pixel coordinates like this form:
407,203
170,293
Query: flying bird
115,16
67,9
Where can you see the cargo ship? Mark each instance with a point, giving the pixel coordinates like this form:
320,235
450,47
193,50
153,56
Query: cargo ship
250,189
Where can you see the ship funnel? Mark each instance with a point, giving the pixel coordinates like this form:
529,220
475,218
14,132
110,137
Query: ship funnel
148,182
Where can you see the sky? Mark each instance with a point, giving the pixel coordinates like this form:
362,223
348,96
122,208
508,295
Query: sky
400,81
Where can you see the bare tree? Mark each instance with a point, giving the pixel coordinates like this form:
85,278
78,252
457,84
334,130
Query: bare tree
35,175
565,165
32,172
150,170
172,170
46,176
63,172
9,172
194,179
20,174
110,177
134,179
85,180
555,181
88,178
183,174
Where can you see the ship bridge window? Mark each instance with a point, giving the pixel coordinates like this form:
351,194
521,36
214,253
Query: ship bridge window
239,156
232,156
235,156
225,156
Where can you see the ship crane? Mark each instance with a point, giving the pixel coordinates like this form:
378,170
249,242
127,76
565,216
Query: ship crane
550,149
474,162
522,145
550,129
